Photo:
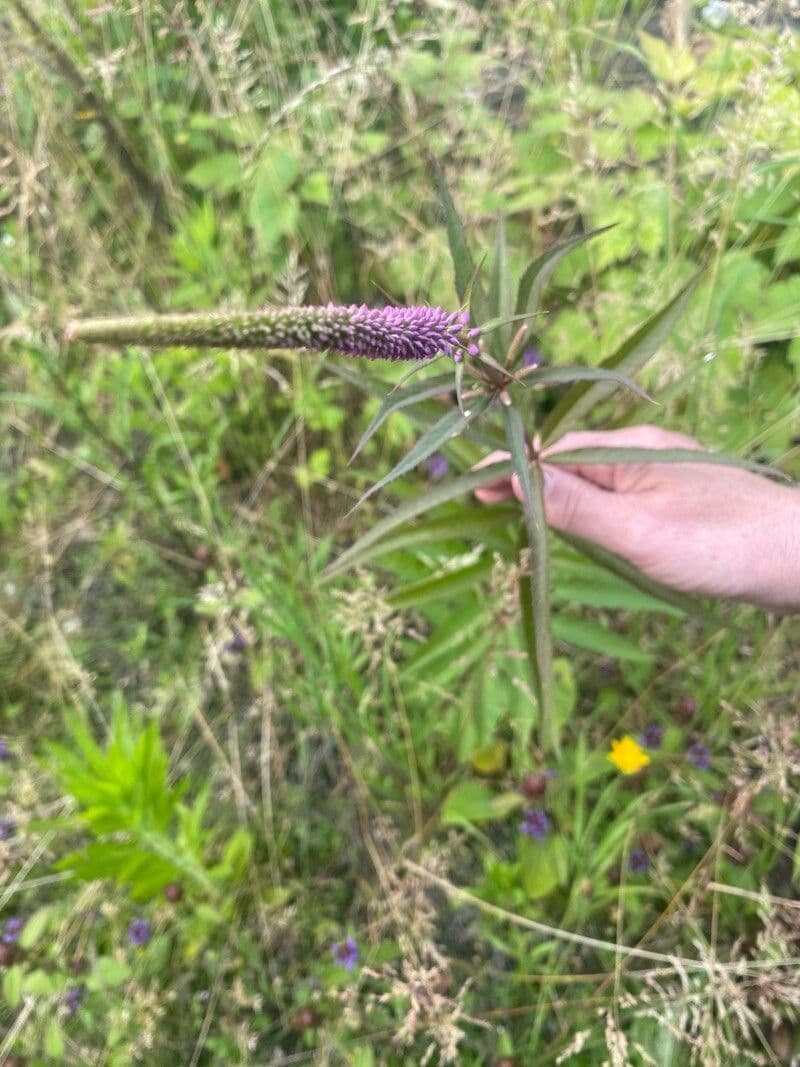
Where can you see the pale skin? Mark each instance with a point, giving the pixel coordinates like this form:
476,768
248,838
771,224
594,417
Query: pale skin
702,529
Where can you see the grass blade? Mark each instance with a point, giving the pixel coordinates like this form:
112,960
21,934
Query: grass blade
632,354
465,483
536,529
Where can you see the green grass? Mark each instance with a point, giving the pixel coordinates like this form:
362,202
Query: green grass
187,703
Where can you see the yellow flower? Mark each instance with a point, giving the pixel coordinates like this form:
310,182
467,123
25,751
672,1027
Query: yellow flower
627,755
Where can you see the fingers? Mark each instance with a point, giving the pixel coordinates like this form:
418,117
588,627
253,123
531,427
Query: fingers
498,491
578,507
615,476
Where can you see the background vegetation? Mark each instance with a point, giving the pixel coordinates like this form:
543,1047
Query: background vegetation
217,770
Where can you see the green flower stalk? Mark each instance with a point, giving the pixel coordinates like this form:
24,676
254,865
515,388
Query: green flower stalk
395,333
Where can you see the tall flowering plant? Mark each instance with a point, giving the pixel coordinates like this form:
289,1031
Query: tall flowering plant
493,366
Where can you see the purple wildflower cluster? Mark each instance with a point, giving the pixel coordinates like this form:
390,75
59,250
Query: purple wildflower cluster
535,824
13,929
699,756
653,735
638,861
8,829
72,999
437,466
345,953
139,932
5,753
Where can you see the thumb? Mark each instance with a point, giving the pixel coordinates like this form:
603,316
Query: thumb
581,508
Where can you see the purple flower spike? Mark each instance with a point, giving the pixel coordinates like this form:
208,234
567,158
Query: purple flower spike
139,932
345,953
13,930
535,824
408,333
437,466
653,735
699,756
532,357
638,861
8,829
5,753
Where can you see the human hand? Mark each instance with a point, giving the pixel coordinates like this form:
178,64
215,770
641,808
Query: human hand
701,528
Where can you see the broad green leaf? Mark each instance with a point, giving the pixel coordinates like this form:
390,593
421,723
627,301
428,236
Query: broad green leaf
537,273
473,802
568,375
108,972
530,478
54,1039
632,354
220,173
450,425
544,865
589,456
449,490
35,927
12,986
402,398
596,638
439,585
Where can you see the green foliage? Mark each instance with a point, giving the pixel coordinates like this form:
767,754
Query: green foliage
183,698
143,837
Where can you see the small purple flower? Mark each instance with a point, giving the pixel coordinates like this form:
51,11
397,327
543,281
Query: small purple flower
8,829
653,735
139,932
5,753
699,756
437,466
532,357
72,999
638,861
12,930
238,643
345,953
535,824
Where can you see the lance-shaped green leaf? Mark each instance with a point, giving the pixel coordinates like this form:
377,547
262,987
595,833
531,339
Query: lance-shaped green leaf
403,398
632,354
466,523
530,478
448,490
538,271
589,456
596,638
623,569
568,375
463,263
500,297
443,584
449,426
